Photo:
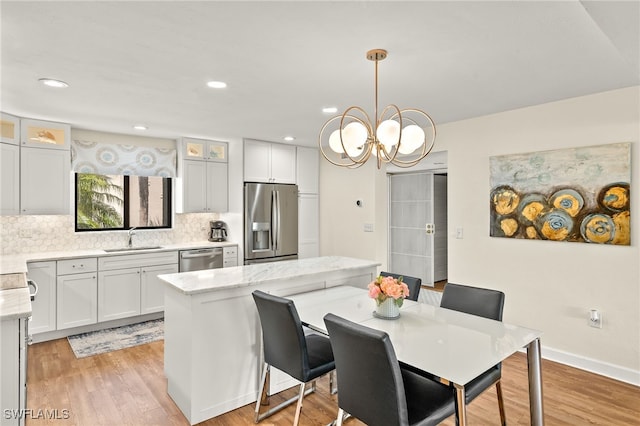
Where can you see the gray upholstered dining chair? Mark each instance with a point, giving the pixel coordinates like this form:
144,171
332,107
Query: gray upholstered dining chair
373,386
485,303
413,283
287,348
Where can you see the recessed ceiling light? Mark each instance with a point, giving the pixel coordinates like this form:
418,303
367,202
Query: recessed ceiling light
330,110
140,127
53,83
289,138
217,84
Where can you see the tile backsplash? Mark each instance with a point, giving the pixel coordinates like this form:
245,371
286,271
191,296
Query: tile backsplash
29,234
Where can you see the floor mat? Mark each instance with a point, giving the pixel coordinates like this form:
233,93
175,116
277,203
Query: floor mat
112,339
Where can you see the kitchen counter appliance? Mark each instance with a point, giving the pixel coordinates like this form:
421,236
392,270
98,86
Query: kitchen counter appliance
218,231
200,259
271,222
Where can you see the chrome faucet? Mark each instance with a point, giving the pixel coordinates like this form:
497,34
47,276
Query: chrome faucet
130,233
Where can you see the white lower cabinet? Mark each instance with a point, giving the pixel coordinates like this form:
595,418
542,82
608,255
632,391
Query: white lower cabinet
13,370
77,300
152,288
230,256
43,306
128,285
118,294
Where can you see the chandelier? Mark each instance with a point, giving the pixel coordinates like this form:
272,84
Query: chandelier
400,137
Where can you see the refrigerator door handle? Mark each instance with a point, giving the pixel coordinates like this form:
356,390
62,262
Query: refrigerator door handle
274,224
277,247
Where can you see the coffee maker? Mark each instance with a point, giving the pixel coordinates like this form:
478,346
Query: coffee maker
218,231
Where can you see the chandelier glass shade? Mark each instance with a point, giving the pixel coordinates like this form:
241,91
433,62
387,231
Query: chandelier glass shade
400,137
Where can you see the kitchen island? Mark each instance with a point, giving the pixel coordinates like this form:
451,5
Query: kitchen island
212,347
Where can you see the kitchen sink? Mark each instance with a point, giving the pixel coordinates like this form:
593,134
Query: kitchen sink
113,250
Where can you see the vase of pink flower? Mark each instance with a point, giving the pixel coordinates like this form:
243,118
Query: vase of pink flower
389,294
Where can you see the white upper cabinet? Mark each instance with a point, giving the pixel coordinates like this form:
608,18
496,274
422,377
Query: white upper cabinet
9,179
269,162
45,134
308,167
35,158
9,129
204,150
44,181
203,186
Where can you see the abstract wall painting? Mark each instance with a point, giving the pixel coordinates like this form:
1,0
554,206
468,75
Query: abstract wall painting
577,194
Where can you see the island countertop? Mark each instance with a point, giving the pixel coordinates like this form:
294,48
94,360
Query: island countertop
242,276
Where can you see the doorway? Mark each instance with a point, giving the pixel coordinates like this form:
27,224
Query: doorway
418,225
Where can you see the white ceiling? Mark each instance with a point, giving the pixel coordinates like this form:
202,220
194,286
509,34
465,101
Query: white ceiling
148,62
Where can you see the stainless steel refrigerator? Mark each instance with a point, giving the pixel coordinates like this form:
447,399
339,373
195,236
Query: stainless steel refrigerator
270,222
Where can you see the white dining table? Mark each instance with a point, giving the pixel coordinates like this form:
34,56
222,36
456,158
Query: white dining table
451,345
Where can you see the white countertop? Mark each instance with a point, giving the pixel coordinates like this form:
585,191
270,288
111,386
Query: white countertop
17,263
242,276
15,301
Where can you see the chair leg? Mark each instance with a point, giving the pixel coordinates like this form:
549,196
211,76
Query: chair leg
503,418
340,416
263,397
333,384
299,405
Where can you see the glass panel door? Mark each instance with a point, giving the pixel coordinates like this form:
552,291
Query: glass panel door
411,227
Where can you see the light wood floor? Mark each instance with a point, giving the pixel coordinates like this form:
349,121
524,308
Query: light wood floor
128,387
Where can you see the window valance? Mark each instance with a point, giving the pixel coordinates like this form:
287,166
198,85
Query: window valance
114,159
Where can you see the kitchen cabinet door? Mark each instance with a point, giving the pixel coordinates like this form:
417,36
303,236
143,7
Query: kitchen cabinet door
217,187
269,162
9,129
230,256
44,181
152,288
308,226
77,300
194,186
307,170
118,294
10,386
9,179
283,163
257,161
205,187
43,317
204,150
45,134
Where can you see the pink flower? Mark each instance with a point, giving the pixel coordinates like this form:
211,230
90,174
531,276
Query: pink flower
374,290
394,291
405,289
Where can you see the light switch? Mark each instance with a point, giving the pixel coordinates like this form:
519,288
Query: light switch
459,233
368,227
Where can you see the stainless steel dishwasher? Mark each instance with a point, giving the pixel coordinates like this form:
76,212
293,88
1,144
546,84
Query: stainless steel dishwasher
199,259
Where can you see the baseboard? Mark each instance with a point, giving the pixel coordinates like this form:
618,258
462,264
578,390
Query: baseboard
606,369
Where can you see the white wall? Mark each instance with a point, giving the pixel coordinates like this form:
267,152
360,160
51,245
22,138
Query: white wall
342,221
549,285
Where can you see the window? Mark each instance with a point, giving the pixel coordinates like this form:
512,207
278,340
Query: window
112,202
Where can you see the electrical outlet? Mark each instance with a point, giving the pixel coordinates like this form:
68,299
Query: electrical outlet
368,227
595,318
25,233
